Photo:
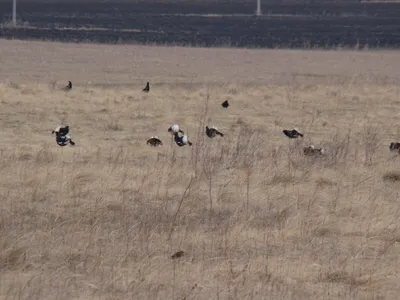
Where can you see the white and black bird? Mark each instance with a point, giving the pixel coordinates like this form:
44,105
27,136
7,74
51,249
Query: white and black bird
147,88
311,150
59,130
154,141
292,134
63,136
212,131
181,140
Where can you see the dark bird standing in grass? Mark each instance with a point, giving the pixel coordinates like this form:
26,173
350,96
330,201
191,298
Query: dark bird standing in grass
225,104
178,254
394,146
147,88
292,134
213,132
68,87
154,141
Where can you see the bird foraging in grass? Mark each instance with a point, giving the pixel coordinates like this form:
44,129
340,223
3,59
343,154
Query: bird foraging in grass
292,134
175,130
394,146
68,87
154,141
147,88
311,150
63,137
178,254
212,131
181,140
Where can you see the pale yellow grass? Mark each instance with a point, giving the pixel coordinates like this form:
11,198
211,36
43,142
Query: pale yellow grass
255,218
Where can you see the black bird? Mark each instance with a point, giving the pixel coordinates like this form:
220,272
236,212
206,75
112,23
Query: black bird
225,104
68,87
178,254
213,132
394,146
154,141
292,134
311,150
147,88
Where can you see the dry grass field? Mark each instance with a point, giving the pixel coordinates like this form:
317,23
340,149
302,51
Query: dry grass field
255,218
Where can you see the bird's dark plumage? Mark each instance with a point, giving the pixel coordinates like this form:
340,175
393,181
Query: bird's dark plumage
394,146
292,134
311,150
63,140
212,132
181,140
147,88
154,141
178,254
225,104
68,87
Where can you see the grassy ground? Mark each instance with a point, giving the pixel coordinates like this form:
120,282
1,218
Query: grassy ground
255,218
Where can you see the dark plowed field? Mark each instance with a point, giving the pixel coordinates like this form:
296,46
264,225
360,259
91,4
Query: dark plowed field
289,26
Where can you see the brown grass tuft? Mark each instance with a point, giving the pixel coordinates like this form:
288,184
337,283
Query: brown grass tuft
12,259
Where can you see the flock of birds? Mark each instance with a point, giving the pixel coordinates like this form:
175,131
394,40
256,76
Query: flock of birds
212,132
63,136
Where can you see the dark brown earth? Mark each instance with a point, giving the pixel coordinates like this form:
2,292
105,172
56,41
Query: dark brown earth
283,26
